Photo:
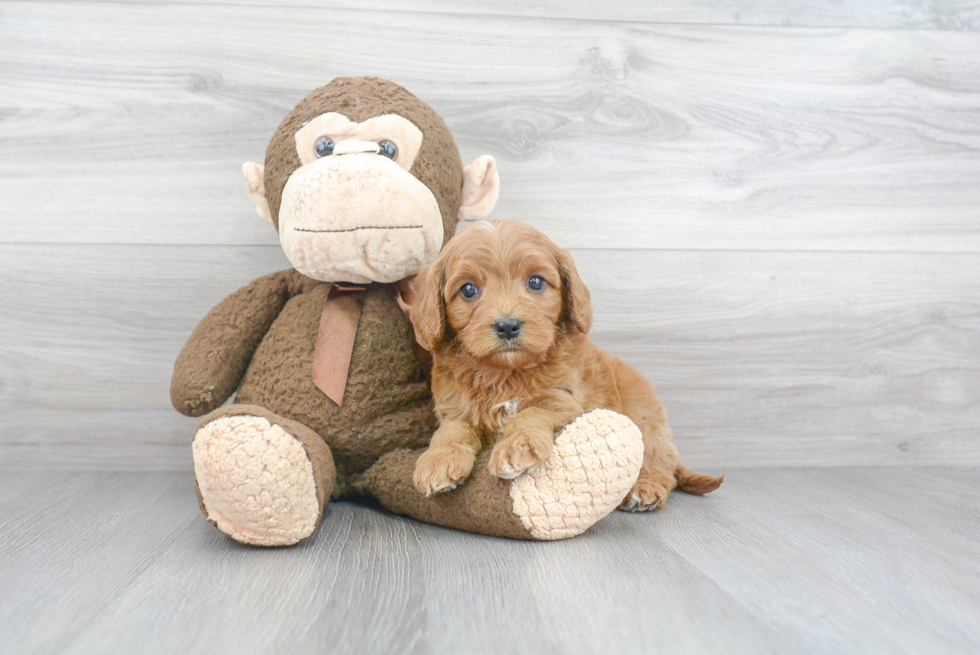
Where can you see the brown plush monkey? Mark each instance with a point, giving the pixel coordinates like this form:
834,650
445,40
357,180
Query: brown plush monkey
364,184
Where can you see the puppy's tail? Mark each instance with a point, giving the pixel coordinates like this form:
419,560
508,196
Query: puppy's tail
695,483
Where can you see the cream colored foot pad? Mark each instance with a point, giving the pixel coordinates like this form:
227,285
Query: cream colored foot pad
256,481
593,466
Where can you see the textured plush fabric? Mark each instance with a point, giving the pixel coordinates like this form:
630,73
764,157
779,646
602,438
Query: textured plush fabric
387,404
482,504
385,224
217,354
261,479
594,464
438,164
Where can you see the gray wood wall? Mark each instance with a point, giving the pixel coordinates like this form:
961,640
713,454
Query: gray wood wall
776,205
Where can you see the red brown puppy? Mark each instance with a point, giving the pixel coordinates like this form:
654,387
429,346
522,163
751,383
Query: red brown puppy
505,314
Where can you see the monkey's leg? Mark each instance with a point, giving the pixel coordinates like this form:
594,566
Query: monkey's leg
594,463
261,479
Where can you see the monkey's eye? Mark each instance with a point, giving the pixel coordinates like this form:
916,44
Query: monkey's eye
388,149
469,291
323,146
536,283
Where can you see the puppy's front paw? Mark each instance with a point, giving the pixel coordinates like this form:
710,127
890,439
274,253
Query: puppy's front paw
519,452
441,469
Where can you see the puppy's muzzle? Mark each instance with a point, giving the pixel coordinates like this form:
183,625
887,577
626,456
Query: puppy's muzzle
507,328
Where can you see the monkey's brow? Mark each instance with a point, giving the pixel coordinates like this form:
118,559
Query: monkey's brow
365,227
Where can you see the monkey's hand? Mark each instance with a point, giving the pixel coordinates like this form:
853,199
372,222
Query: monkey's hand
214,359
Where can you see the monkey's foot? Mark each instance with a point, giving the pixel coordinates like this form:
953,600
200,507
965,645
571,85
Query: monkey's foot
594,463
261,479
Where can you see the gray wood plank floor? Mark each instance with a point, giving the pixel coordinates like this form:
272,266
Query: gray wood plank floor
777,561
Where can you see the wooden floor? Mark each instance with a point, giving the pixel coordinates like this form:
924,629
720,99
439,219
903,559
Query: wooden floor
860,560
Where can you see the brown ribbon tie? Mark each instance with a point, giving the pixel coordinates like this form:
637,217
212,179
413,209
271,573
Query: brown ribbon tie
335,339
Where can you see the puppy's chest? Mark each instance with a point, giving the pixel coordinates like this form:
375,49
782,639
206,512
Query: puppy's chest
493,414
506,410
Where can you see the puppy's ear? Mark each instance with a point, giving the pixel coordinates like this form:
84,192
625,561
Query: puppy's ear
428,313
578,301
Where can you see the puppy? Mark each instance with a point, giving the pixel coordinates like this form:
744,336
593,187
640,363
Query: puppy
505,315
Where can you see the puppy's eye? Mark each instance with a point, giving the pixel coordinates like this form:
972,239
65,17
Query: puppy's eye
469,291
536,283
323,146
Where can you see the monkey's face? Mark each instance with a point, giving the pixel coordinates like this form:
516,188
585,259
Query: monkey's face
364,183
352,211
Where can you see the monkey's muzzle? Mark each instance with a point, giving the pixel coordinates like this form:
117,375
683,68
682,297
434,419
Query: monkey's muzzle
358,218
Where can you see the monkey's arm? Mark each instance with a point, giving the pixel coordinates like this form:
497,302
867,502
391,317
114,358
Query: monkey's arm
214,359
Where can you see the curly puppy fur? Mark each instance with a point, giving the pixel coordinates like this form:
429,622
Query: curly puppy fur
512,364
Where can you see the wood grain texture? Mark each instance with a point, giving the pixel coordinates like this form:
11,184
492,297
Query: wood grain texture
776,561
903,14
90,534
355,588
128,122
87,346
762,359
765,213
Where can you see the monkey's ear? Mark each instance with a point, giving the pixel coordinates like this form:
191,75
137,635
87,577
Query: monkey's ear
428,313
255,186
578,300
481,187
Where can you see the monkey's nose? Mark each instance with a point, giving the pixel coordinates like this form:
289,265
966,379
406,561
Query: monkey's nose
507,328
352,147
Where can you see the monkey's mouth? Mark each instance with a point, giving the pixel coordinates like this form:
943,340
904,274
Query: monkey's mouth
360,227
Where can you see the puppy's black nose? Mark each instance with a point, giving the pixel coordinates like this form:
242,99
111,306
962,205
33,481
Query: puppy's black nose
507,328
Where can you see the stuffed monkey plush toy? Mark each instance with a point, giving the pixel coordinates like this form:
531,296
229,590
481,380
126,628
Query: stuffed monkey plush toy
364,184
